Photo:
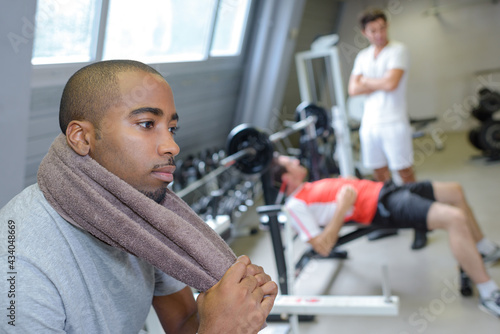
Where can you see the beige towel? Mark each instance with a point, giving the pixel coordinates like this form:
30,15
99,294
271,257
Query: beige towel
169,235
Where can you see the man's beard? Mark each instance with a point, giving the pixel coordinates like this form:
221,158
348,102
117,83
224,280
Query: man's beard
158,196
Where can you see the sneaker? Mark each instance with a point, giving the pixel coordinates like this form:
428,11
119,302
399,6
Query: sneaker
419,240
493,256
492,304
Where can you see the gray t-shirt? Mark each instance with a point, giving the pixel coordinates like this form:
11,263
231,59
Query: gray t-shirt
57,278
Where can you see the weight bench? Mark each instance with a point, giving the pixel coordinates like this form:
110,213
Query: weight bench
295,307
355,106
418,126
288,271
273,212
419,130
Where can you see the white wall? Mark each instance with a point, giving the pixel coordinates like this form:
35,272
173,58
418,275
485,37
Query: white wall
16,42
451,53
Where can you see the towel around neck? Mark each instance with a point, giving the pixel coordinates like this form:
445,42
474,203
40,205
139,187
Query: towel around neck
169,235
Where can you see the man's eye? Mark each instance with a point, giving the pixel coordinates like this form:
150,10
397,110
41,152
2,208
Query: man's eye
173,129
147,124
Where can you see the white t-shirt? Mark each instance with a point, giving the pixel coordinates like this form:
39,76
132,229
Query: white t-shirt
64,280
382,107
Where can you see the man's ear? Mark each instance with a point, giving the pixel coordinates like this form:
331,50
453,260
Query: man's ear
79,135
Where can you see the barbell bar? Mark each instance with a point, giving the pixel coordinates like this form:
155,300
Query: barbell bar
293,128
251,150
230,160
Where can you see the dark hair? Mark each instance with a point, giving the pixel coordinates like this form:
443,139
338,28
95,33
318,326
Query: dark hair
276,170
371,15
93,89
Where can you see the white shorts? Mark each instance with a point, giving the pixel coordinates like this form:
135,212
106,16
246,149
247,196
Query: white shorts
386,145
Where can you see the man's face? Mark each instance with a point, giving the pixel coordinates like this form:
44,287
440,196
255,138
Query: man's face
294,169
376,32
135,140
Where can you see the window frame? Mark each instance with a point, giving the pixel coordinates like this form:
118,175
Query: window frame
57,74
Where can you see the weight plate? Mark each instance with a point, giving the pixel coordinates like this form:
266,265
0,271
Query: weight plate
483,91
490,102
481,115
244,136
489,136
474,138
323,119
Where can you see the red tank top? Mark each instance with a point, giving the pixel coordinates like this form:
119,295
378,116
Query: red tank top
325,191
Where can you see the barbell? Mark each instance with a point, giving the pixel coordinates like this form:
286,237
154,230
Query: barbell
251,149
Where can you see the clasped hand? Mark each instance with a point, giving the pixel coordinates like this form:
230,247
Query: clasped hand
240,302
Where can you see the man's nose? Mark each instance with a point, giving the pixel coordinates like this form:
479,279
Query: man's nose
168,145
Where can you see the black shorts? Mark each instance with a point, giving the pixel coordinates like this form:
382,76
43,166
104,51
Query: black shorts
404,206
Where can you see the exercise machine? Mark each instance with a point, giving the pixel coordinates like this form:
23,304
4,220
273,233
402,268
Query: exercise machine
290,306
327,89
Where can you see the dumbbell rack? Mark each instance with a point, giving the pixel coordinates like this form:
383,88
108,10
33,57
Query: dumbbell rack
221,198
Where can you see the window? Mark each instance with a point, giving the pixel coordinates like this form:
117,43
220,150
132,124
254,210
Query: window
64,31
229,27
135,31
152,31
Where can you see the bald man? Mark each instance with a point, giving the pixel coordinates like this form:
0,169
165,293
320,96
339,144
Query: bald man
119,118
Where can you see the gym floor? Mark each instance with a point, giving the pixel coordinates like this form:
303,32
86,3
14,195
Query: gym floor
425,280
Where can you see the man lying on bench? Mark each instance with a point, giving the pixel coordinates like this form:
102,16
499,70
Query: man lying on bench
319,209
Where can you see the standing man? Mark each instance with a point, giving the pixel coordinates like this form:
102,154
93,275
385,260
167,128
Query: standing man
380,72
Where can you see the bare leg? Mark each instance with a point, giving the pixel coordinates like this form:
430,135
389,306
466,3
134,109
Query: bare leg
453,194
382,174
462,244
407,175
